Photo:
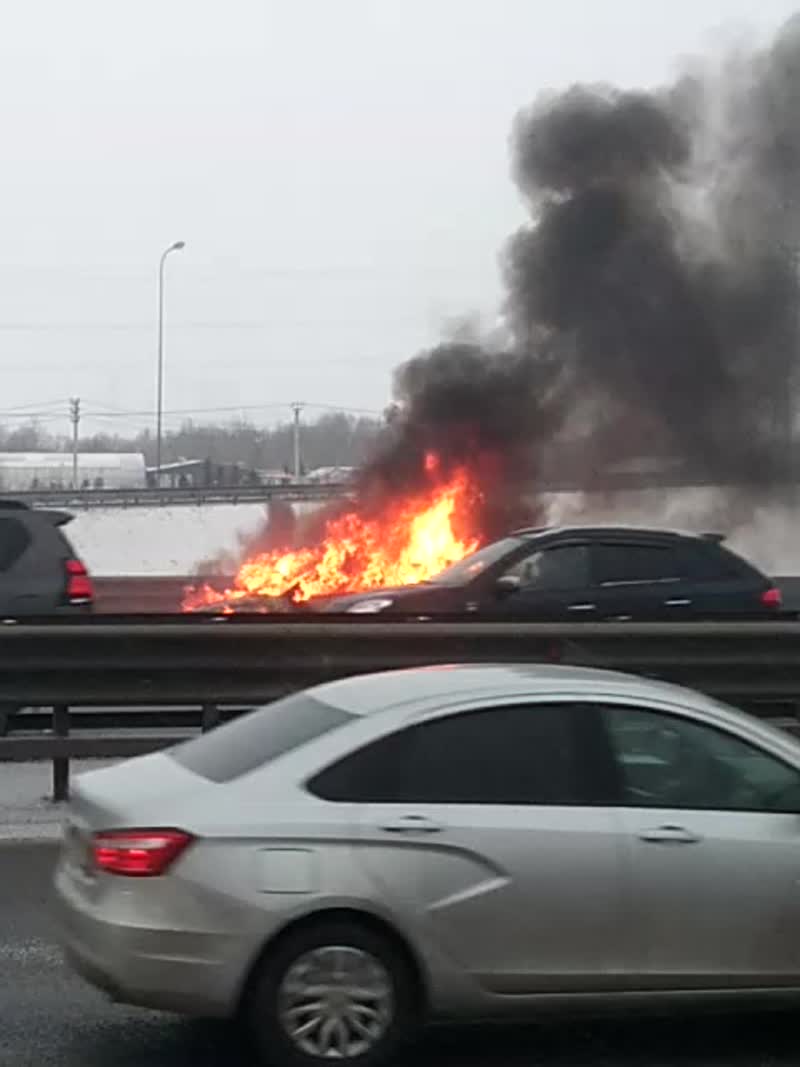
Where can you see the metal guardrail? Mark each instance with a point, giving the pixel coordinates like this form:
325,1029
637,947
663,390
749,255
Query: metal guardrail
231,661
61,746
83,499
240,659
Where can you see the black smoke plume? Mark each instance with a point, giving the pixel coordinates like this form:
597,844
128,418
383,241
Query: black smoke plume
469,406
653,297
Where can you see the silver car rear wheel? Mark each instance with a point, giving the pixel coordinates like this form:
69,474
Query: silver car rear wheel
334,989
336,1002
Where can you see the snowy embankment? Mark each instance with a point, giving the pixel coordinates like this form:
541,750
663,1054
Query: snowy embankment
168,541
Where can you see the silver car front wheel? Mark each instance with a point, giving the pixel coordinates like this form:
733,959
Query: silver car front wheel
333,991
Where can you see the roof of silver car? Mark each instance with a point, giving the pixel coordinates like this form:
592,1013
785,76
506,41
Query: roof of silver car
429,687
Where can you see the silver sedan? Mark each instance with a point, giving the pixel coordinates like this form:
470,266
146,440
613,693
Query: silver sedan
455,842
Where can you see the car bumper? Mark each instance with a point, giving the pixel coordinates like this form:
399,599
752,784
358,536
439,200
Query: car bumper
185,972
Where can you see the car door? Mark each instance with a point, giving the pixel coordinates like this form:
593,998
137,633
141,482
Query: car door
548,583
718,583
637,579
713,834
479,828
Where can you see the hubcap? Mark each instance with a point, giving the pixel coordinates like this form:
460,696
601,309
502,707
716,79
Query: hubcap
336,1002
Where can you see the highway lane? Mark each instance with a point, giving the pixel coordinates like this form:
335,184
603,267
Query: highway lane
48,1018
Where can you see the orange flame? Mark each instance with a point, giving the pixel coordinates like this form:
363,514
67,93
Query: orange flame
414,539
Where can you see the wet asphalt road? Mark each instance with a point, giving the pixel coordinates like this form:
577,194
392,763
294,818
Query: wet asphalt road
48,1018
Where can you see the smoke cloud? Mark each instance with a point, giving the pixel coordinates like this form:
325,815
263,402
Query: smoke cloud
653,296
652,308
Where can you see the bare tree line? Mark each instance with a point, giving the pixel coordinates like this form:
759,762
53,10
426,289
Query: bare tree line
334,439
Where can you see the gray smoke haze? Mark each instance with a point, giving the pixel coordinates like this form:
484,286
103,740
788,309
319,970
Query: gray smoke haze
654,291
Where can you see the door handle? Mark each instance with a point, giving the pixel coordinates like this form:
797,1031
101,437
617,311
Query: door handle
411,824
678,603
669,835
582,607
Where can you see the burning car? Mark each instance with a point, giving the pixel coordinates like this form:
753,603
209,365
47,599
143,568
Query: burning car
575,574
587,574
402,540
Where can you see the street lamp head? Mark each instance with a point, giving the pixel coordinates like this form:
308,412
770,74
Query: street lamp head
177,246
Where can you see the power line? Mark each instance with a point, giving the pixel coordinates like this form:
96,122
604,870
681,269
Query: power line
116,272
33,416
314,322
37,404
233,408
112,413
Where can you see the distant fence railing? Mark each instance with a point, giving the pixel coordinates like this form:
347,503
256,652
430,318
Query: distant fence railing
233,662
81,499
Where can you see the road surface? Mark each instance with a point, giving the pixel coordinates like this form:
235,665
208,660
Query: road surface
48,1018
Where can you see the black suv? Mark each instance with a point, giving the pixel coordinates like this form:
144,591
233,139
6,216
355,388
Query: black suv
587,574
40,574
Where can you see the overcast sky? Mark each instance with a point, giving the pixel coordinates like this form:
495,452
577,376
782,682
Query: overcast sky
337,168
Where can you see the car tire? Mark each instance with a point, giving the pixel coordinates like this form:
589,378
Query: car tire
303,981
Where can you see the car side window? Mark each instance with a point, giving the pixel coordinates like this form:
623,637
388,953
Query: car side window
511,755
553,569
709,563
666,761
14,539
626,563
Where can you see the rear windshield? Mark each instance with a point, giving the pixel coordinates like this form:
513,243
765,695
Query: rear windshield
262,735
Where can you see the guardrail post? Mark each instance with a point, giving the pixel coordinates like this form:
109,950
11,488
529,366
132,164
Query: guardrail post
210,717
60,763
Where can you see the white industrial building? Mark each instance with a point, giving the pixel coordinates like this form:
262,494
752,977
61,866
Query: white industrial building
20,471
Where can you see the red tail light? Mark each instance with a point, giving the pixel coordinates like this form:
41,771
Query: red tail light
79,585
772,598
138,853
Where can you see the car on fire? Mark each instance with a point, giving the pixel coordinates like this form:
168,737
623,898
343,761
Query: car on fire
585,574
448,842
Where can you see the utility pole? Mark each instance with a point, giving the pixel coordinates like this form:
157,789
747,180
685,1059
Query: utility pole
75,418
296,408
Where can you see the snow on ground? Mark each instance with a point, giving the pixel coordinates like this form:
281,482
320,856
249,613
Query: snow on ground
162,540
173,540
26,810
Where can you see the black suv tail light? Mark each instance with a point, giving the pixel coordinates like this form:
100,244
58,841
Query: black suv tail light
772,598
79,585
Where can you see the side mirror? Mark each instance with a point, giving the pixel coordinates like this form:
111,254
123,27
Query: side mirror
507,586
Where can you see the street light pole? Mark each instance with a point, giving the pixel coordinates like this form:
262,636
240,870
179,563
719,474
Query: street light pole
176,247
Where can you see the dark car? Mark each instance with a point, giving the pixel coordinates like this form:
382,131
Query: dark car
40,573
587,574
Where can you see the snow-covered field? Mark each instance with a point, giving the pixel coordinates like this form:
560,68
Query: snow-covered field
162,540
172,541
